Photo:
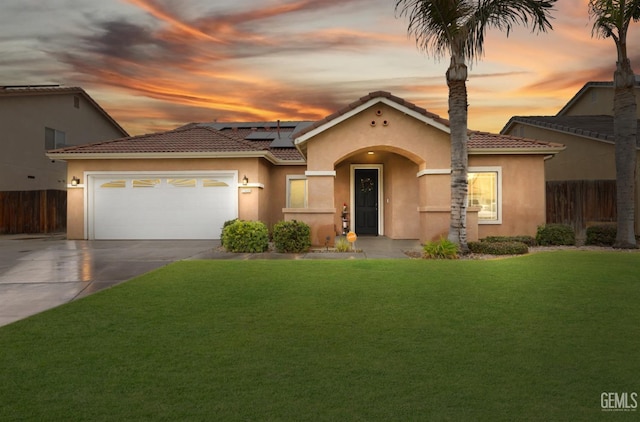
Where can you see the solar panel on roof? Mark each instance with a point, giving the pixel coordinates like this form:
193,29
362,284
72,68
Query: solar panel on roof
282,142
261,136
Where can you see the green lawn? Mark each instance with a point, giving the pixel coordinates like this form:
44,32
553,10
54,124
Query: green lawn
538,337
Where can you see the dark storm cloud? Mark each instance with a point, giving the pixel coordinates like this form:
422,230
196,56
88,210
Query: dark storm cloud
119,39
208,61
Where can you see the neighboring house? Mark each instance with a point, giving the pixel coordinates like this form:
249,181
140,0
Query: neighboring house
383,160
585,126
35,119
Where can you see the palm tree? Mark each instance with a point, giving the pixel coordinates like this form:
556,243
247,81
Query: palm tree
611,20
456,28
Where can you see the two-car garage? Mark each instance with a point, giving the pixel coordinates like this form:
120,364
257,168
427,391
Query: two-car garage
160,205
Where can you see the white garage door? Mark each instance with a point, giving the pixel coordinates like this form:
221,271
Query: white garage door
150,206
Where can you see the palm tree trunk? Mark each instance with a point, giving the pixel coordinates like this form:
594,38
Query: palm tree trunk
625,128
456,80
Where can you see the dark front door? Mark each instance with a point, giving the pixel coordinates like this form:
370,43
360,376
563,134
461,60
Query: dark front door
366,196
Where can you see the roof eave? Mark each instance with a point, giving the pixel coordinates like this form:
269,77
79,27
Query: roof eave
341,118
563,130
66,156
515,151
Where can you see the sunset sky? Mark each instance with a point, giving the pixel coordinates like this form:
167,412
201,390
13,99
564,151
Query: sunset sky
157,64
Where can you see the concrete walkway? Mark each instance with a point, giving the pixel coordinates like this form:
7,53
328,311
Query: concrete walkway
367,248
41,272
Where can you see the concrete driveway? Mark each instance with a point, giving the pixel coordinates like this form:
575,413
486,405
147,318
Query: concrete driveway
39,273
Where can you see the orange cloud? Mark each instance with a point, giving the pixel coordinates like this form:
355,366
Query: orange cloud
157,11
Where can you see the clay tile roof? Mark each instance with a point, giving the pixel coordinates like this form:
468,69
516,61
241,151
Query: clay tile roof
190,139
22,90
238,137
484,140
598,127
187,139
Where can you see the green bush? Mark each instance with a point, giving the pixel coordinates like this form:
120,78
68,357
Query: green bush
527,240
441,249
292,236
499,248
601,235
224,226
555,234
342,245
246,236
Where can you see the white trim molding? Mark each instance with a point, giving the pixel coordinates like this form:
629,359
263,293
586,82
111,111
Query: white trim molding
352,195
313,173
428,172
370,103
251,185
498,171
291,177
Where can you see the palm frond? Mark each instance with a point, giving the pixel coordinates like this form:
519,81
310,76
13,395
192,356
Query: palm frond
611,18
505,14
445,27
432,23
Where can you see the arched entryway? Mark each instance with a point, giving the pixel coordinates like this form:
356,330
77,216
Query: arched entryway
379,188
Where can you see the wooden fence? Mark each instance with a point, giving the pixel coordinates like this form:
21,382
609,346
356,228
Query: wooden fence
580,202
43,211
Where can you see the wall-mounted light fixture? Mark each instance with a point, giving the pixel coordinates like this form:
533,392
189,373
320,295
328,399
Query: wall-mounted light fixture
245,180
75,181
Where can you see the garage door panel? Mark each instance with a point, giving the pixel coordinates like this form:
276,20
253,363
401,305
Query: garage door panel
168,207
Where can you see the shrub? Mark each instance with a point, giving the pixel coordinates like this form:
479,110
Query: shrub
246,236
499,248
226,223
292,236
601,235
555,234
441,249
527,240
342,245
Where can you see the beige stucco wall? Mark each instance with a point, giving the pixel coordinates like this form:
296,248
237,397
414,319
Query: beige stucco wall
400,198
23,120
419,206
523,194
405,135
414,158
596,100
582,159
401,144
276,196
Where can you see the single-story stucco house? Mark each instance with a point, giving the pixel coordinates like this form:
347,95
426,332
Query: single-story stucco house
379,166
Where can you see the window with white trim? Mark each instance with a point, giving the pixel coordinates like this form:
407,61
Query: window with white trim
297,191
485,187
